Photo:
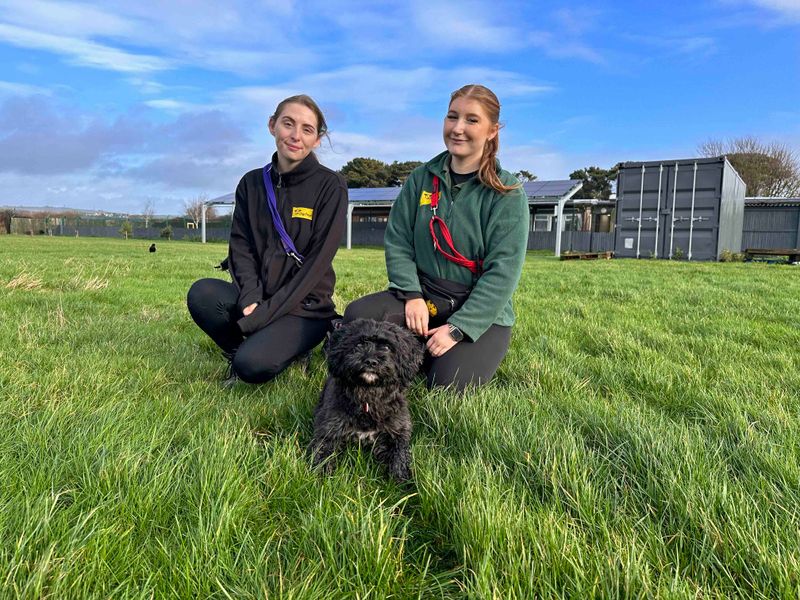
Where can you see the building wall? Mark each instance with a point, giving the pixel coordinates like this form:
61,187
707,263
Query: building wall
771,227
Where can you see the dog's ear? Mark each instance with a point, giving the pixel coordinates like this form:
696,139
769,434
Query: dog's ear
337,349
409,354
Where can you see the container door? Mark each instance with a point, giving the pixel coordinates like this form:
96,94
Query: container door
640,199
690,217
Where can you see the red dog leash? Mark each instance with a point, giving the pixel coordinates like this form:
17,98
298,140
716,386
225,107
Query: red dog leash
475,266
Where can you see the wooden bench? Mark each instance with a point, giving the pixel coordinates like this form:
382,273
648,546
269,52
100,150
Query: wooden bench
793,254
608,254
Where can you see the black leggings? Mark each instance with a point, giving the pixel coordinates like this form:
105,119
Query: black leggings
466,363
260,356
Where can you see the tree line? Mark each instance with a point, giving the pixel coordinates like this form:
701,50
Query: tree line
769,169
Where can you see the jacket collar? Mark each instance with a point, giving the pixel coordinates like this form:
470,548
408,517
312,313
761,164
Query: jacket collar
296,175
439,165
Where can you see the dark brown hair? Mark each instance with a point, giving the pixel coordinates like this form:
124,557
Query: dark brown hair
308,102
487,173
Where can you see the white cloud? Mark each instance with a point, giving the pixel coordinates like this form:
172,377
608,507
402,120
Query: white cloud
562,47
65,18
374,89
235,38
82,52
464,25
174,106
389,146
690,46
790,9
12,88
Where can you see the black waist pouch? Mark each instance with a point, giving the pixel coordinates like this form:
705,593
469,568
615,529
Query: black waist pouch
443,297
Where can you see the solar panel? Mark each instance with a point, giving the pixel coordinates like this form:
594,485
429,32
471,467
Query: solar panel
383,194
227,198
553,188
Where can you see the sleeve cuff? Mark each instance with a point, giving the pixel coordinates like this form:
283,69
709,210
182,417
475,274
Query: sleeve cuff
249,298
403,295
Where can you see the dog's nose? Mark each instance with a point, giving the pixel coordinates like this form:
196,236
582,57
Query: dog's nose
371,362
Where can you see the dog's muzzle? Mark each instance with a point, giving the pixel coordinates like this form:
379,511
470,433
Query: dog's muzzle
369,377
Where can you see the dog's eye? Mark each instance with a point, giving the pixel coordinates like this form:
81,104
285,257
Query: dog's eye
384,347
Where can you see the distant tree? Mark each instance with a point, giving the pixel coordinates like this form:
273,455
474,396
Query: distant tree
166,233
126,229
398,172
6,214
148,211
364,172
596,181
768,169
193,209
524,176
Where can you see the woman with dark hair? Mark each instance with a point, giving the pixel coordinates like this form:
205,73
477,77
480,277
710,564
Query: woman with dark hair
287,225
455,246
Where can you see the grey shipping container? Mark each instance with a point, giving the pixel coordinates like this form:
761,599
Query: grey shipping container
690,208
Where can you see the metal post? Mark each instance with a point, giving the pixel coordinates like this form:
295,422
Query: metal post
572,229
349,226
672,225
641,202
797,237
658,207
559,223
559,212
691,214
203,223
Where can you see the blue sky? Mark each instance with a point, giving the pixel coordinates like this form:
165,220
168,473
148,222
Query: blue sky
111,105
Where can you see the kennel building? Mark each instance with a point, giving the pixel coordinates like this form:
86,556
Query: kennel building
689,209
771,223
368,212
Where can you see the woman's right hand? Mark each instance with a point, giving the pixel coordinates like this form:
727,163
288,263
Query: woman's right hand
249,309
417,316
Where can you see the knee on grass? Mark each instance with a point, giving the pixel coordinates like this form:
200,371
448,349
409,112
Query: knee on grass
253,368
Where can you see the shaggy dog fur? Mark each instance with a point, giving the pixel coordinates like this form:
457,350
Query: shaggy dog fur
370,365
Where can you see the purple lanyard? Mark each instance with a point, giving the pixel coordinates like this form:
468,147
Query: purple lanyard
288,244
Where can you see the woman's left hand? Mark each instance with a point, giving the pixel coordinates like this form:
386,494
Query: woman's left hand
439,340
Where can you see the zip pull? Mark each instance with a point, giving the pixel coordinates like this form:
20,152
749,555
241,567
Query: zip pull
295,257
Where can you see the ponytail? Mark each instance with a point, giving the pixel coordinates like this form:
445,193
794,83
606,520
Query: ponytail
487,173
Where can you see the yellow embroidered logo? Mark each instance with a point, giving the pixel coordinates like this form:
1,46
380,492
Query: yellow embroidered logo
425,198
299,212
432,310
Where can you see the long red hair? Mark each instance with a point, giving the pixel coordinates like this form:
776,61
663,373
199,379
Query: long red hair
487,172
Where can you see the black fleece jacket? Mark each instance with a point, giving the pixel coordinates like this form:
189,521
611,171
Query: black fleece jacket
312,202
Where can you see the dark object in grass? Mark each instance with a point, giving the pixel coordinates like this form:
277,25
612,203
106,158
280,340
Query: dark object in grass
370,365
152,247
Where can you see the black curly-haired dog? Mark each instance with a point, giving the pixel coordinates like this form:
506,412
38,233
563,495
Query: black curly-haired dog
370,365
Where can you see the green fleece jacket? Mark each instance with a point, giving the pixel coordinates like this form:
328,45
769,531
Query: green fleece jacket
484,223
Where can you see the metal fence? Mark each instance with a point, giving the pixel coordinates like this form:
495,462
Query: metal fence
771,227
364,234
575,241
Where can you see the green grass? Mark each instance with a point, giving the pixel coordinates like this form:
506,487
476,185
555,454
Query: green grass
641,439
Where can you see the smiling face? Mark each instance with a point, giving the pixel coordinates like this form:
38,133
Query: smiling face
467,127
296,134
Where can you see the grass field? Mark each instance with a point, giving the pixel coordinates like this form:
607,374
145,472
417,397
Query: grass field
641,439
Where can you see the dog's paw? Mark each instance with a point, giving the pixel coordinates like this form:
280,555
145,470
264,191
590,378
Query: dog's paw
322,461
401,471
327,467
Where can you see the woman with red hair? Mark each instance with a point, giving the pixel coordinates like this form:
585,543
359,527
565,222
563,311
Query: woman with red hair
455,246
